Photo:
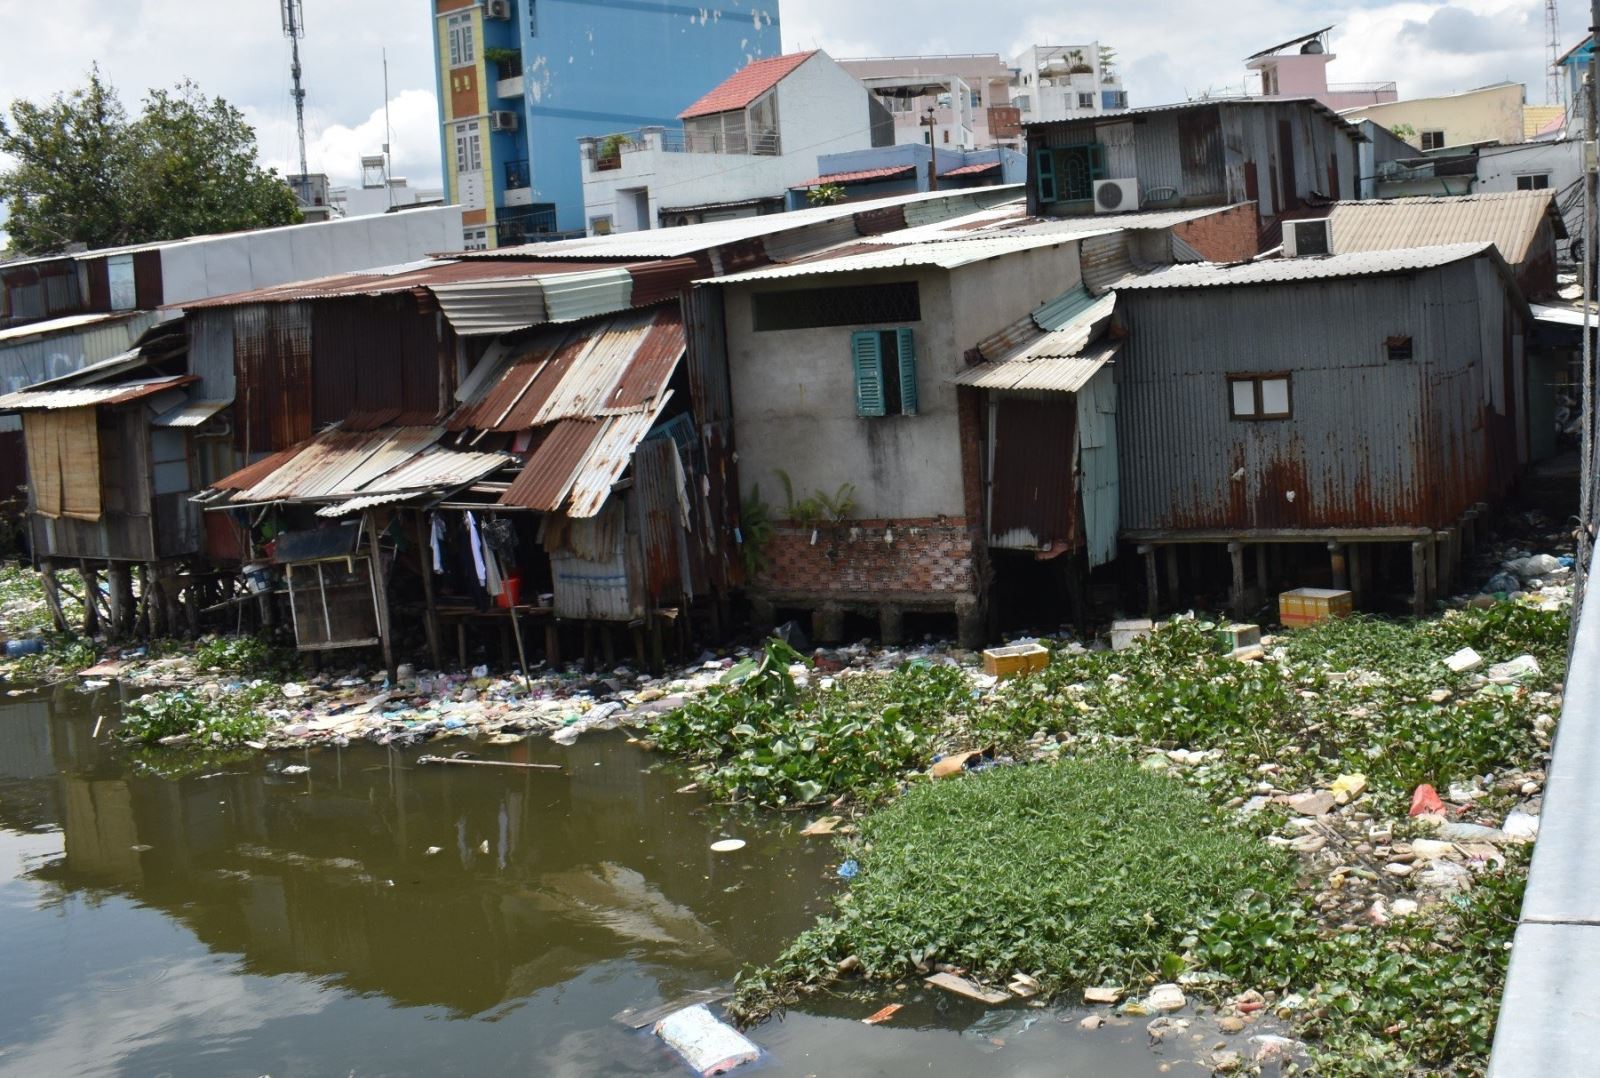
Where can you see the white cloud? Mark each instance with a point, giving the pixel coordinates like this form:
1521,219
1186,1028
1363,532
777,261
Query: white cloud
337,148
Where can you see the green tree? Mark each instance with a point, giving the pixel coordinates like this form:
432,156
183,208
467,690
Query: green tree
84,172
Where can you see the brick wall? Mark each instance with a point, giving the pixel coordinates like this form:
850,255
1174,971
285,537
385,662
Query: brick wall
1230,236
928,561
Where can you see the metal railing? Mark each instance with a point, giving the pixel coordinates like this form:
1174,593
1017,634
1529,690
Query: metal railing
525,227
607,152
1362,87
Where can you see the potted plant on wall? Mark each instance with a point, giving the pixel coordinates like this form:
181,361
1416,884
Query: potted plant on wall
608,155
1079,66
507,62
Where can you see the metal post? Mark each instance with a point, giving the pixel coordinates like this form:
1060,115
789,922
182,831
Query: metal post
1236,555
380,592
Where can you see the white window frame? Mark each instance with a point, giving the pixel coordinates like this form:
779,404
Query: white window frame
1252,404
463,47
469,147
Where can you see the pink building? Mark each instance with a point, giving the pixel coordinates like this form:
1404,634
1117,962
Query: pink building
1299,68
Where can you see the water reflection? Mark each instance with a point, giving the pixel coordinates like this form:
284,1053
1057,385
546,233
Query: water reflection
252,922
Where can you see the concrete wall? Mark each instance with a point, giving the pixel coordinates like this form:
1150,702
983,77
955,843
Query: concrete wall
1499,167
794,390
1490,114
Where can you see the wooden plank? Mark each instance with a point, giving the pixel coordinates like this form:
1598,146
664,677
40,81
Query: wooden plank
967,989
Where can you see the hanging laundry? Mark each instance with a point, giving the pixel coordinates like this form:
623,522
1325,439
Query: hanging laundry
476,543
436,536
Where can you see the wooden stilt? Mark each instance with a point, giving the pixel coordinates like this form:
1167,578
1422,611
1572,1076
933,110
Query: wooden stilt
461,644
552,644
91,599
637,629
52,597
1236,555
608,646
141,621
1263,577
658,661
380,593
119,592
1174,578
1341,572
522,652
431,617
1358,588
1433,568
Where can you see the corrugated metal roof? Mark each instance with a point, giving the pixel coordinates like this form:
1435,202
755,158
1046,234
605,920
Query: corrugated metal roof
973,170
608,458
425,274
691,239
191,414
746,84
1011,220
859,176
67,324
396,463
950,254
1327,267
1508,219
1206,103
91,396
545,480
1041,371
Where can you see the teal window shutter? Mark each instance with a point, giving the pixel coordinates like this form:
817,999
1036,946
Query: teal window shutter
868,355
1045,175
908,372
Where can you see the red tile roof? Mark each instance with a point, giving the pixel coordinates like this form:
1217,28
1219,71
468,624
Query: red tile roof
972,170
860,177
746,84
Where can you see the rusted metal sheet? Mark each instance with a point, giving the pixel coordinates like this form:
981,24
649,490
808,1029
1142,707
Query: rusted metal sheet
547,477
1105,261
251,474
741,255
375,357
653,363
147,280
1035,370
42,400
1034,497
409,277
661,502
272,370
656,282
608,458
1372,442
318,466
877,222
1200,155
585,387
706,341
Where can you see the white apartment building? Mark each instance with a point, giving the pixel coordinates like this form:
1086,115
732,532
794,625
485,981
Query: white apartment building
1067,82
967,94
741,148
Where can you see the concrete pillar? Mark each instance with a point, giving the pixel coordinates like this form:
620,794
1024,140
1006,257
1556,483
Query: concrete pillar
1236,555
970,622
827,624
891,625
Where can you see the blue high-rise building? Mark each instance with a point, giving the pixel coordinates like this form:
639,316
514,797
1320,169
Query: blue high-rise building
520,81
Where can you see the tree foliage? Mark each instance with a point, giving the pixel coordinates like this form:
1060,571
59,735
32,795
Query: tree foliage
83,171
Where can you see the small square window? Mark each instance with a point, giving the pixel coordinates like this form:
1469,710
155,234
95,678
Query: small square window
1535,182
1398,348
1259,396
1433,140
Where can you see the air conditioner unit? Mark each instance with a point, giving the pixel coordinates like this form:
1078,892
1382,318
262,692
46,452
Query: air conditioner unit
1116,196
497,9
502,120
1301,239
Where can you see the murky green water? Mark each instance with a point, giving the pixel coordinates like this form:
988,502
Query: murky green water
252,923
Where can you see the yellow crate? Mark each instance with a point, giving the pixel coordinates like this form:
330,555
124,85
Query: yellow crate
1014,660
1308,606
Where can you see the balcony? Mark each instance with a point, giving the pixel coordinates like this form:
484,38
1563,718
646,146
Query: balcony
508,72
528,226
518,183
607,153
511,88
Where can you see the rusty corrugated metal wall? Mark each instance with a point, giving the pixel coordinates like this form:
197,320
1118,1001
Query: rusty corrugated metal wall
1372,442
211,352
272,371
1033,493
716,484
377,360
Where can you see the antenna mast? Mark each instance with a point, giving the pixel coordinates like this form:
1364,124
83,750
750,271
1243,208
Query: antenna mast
1555,91
388,154
294,28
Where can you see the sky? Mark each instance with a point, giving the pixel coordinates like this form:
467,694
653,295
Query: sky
1167,51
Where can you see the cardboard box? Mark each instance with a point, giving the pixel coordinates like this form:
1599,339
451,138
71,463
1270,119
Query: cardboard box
1016,659
1308,606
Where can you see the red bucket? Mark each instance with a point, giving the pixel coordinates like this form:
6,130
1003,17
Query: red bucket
512,595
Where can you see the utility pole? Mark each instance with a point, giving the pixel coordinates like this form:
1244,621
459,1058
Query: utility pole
1554,90
933,149
388,154
1591,199
294,28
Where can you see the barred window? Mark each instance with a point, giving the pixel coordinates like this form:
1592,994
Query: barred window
859,305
